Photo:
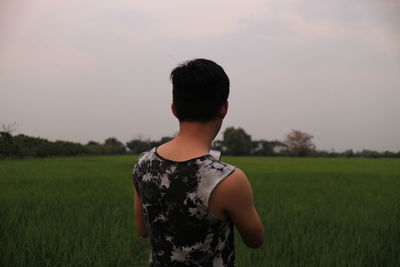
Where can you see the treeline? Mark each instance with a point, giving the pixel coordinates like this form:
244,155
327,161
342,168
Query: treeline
27,146
236,142
365,153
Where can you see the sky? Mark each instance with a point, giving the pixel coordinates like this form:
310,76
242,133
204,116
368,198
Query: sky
88,70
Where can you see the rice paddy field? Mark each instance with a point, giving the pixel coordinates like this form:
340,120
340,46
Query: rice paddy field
317,212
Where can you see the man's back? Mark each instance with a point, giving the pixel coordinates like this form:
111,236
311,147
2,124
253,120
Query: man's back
187,202
175,199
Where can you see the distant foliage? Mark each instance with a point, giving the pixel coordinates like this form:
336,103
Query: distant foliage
235,142
139,145
113,146
27,146
299,143
269,148
7,145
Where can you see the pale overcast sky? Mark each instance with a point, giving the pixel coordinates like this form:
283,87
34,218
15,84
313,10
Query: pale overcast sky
87,70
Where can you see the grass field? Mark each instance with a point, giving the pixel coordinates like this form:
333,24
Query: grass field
317,212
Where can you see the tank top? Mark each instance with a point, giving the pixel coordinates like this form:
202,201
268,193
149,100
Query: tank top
181,228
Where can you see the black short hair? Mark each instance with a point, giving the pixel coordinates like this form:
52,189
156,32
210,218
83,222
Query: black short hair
199,88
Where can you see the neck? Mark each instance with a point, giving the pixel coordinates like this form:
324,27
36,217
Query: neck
193,140
197,135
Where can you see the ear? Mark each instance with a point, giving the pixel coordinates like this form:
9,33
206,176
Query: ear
173,110
223,110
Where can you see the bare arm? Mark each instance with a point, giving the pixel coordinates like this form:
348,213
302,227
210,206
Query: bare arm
234,196
139,217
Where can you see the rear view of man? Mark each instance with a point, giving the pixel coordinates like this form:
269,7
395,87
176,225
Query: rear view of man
186,201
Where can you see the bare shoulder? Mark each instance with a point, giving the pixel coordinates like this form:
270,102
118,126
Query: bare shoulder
235,183
238,176
232,190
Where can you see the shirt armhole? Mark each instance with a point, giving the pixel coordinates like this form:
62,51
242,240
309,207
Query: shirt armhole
217,182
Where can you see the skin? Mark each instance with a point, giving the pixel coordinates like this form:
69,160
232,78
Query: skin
232,199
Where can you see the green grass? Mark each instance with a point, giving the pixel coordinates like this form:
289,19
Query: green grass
316,212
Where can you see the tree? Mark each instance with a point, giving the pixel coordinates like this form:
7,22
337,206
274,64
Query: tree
299,143
268,148
137,146
7,145
7,142
92,143
237,142
113,146
9,127
218,145
367,153
349,153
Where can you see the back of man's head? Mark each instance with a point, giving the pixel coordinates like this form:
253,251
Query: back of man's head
200,88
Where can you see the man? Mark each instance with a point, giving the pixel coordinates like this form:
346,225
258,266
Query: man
186,201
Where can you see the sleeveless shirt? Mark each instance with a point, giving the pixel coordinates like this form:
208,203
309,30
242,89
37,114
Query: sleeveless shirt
181,228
